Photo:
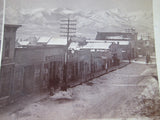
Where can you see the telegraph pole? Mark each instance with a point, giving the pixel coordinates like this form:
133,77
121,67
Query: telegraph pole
2,34
68,29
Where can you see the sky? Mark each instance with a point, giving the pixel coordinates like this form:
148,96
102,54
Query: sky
128,5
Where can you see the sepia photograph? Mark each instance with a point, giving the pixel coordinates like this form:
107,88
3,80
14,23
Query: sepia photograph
78,60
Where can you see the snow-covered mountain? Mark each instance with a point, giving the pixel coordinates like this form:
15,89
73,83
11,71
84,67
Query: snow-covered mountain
47,21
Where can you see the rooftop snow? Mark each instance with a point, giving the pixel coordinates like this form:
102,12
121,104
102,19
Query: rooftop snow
23,42
57,41
120,42
92,44
96,46
96,41
43,39
116,37
74,46
109,41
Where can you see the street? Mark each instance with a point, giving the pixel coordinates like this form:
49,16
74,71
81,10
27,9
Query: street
109,96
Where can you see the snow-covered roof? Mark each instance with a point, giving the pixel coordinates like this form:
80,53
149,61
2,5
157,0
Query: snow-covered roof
43,39
109,41
117,37
96,46
74,46
23,42
57,41
96,41
91,44
120,42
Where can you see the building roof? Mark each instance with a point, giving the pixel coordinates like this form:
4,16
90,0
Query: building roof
57,41
43,39
113,35
97,46
117,37
96,41
91,45
120,42
109,41
23,43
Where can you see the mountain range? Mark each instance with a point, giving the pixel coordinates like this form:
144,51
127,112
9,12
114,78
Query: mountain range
46,22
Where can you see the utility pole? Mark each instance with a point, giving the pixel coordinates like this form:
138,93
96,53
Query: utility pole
2,34
68,29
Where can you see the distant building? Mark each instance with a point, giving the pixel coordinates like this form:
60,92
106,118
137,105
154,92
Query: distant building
102,48
96,46
126,40
145,45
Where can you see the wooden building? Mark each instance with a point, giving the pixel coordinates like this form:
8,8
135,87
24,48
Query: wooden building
8,63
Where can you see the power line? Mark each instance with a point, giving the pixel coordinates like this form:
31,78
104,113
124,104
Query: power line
68,29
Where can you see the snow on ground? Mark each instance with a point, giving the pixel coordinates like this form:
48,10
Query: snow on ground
107,97
147,103
151,88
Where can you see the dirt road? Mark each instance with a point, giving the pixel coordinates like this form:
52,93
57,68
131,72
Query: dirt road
106,97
